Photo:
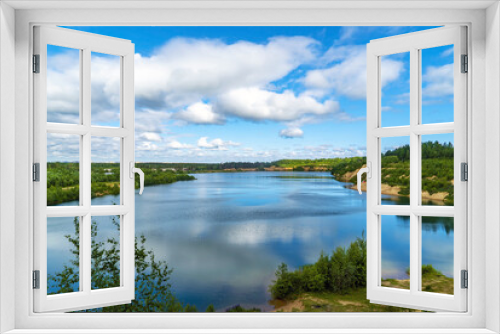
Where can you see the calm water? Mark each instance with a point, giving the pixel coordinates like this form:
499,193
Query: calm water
225,233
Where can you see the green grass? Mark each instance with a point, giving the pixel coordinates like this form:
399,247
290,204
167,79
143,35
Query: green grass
354,301
432,281
63,180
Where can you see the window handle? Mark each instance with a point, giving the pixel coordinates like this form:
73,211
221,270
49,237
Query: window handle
134,170
368,171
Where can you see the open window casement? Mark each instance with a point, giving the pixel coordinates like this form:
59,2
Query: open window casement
414,46
65,128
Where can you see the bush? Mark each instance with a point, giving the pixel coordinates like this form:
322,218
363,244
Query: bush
344,270
152,288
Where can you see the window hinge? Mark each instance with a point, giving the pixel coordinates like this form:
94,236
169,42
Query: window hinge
36,63
465,64
465,279
36,279
464,167
36,172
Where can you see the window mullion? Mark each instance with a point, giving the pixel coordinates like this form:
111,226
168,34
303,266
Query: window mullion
414,171
86,230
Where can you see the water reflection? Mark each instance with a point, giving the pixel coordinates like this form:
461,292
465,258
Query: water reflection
225,234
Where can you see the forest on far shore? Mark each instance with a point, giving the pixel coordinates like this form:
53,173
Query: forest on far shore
437,172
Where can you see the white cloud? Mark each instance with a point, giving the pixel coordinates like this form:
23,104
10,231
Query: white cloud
215,144
185,70
292,133
438,81
259,105
199,113
174,144
448,52
105,149
63,147
105,89
348,75
146,146
63,88
150,136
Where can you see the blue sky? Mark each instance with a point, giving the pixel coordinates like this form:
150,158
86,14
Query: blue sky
216,94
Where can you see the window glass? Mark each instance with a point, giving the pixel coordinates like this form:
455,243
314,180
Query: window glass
105,89
395,87
105,170
437,169
437,254
63,255
105,252
395,244
63,85
437,84
63,169
395,175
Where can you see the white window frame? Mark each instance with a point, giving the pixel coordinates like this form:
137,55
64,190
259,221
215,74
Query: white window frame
483,102
86,297
413,43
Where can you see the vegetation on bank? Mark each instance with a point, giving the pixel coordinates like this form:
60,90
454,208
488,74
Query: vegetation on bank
432,281
153,291
437,172
334,282
339,273
354,301
437,169
63,180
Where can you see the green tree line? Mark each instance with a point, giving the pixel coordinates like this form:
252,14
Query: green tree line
437,169
345,269
63,180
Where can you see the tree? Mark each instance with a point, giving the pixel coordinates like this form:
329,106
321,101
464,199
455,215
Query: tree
152,288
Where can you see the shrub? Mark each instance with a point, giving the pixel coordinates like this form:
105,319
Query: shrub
343,270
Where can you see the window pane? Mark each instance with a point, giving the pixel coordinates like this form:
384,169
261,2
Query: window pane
105,252
437,84
437,254
395,86
437,169
395,175
63,85
395,262
105,81
105,170
63,169
63,255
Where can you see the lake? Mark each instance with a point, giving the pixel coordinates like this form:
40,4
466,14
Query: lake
225,234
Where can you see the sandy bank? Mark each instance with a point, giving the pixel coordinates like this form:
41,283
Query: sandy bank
393,191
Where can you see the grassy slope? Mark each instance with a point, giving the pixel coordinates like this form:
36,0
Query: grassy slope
355,300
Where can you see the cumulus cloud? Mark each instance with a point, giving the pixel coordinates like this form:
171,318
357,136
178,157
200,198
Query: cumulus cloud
63,147
105,149
174,144
348,74
215,144
150,136
199,113
448,52
438,81
185,70
211,82
291,133
105,89
146,146
258,105
63,87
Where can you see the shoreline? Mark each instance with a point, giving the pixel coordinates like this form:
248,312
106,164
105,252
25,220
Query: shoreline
391,190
